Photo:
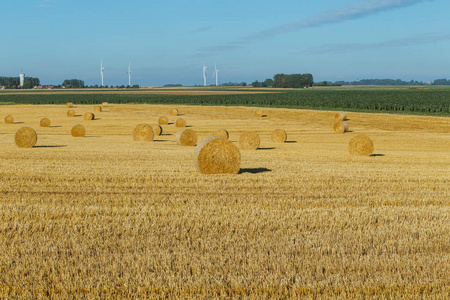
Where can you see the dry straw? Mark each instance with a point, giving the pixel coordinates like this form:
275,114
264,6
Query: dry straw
26,137
157,129
279,136
143,132
97,108
78,130
180,122
249,140
69,104
361,145
9,119
89,116
45,122
174,112
186,137
258,113
340,116
215,155
163,120
71,113
104,103
222,133
340,127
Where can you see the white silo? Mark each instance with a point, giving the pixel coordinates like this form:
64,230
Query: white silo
22,78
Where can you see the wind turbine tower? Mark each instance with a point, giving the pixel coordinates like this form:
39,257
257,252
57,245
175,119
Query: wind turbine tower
101,69
204,74
216,73
129,74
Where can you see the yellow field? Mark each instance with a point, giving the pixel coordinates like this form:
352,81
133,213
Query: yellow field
106,217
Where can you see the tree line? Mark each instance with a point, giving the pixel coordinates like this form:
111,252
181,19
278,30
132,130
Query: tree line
287,81
14,82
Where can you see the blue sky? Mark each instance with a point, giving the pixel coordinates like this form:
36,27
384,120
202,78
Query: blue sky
168,41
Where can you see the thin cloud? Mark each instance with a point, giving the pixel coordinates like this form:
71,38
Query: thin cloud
201,29
405,42
357,11
44,3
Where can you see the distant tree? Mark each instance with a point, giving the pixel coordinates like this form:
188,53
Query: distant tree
75,83
268,82
243,83
256,84
136,86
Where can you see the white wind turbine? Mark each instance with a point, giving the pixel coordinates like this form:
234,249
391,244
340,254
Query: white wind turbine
101,69
204,74
129,74
216,73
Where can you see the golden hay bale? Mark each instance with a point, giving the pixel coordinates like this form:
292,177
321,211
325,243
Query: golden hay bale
340,127
9,119
157,129
104,103
340,116
89,116
279,136
69,104
186,137
78,130
97,108
215,155
174,112
222,133
71,113
45,122
180,122
258,113
26,137
163,120
249,140
361,145
143,132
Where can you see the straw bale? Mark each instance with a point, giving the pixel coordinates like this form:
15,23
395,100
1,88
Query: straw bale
222,133
361,145
143,132
26,137
97,108
180,122
340,127
78,130
163,120
186,137
340,116
71,113
279,136
258,113
215,155
45,122
157,129
89,116
104,104
69,104
174,112
249,140
9,119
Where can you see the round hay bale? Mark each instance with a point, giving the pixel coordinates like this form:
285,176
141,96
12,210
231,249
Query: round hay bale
143,132
157,129
89,116
69,104
180,122
97,108
104,103
222,133
186,137
340,127
258,113
279,136
9,119
78,130
174,112
26,137
45,122
163,120
361,145
340,116
249,140
215,155
71,113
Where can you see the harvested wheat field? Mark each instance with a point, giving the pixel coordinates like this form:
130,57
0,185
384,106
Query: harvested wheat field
106,217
